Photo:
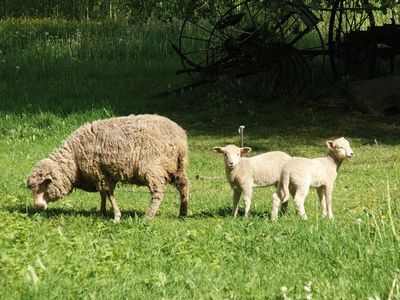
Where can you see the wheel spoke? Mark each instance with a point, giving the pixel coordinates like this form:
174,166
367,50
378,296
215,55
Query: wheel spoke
197,39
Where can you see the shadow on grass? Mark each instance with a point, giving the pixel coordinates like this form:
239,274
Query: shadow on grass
58,212
226,212
222,212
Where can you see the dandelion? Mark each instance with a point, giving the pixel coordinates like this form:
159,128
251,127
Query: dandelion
17,68
358,221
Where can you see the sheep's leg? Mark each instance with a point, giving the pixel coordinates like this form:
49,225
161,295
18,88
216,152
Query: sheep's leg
182,184
276,202
235,203
328,201
157,195
299,198
322,200
103,209
247,192
117,213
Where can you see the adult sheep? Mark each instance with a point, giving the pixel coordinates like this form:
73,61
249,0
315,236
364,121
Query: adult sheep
145,150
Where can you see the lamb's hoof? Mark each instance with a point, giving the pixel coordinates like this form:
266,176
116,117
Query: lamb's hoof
304,217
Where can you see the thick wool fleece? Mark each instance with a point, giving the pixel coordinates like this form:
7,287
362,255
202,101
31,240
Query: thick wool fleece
145,150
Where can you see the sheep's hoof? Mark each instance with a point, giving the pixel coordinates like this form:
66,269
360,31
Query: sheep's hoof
150,216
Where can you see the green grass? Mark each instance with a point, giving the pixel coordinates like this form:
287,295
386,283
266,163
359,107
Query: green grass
70,252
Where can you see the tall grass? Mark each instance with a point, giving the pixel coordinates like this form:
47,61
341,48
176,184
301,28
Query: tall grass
65,79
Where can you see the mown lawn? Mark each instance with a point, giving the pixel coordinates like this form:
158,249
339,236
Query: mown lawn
52,80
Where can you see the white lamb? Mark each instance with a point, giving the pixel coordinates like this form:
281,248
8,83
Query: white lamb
245,173
300,174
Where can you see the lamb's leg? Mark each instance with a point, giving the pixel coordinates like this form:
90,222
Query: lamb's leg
328,201
247,192
182,184
157,195
103,209
284,205
276,202
299,198
322,200
235,203
117,213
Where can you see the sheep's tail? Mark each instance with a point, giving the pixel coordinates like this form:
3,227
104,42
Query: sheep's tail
284,187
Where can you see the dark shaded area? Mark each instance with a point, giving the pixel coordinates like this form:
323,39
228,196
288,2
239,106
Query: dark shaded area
226,212
204,111
59,212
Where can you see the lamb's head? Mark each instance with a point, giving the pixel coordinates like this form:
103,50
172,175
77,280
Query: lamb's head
232,154
46,183
340,148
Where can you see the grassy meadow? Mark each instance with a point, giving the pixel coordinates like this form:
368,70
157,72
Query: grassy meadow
56,75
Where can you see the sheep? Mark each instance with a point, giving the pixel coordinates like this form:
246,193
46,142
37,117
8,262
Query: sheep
148,150
245,173
300,174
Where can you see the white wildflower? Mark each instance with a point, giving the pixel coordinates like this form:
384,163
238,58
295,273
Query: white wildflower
40,264
31,275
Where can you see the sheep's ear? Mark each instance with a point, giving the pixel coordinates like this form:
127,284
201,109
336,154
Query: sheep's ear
330,144
245,150
219,149
47,179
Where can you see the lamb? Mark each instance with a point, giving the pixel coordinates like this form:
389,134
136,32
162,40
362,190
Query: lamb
148,150
245,173
300,174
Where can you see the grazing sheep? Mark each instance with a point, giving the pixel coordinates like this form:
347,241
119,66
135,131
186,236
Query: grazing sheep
245,173
145,150
300,174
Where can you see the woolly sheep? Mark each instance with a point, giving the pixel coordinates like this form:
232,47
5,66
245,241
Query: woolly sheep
245,173
300,174
145,150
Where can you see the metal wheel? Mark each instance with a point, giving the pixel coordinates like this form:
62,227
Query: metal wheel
348,17
274,37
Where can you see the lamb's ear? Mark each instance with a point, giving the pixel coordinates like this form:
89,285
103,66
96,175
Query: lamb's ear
219,149
245,150
331,144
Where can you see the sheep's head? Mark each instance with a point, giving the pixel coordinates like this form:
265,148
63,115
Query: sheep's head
232,154
46,183
340,148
